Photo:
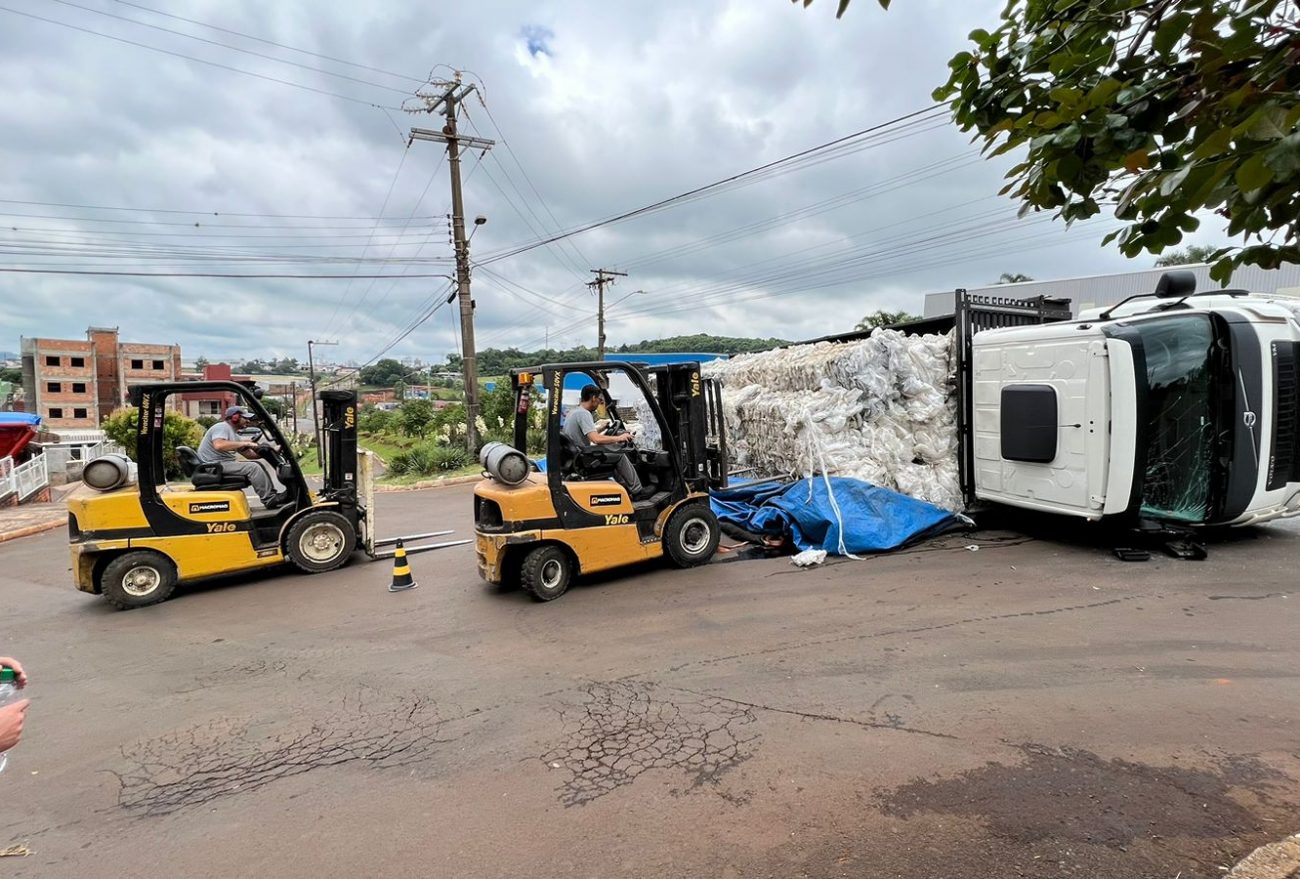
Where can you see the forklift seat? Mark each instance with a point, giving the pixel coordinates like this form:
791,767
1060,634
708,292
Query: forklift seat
208,477
587,462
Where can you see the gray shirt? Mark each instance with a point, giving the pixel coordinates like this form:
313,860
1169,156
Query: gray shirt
577,424
208,453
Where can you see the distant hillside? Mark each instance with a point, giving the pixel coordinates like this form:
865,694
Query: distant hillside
702,343
497,361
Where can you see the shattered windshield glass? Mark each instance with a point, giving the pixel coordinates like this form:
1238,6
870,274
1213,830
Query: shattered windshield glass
1180,417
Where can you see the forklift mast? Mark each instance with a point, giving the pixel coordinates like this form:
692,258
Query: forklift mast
691,408
339,428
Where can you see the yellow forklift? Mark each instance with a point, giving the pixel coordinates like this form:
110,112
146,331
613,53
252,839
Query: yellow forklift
145,533
540,527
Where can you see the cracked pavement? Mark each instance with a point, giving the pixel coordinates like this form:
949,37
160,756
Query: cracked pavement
1034,709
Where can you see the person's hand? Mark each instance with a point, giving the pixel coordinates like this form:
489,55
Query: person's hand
625,438
11,723
20,676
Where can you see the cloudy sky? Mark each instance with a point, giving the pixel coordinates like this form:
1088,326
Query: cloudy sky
123,151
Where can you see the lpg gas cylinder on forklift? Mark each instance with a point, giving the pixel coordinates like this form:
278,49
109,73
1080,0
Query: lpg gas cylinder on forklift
151,529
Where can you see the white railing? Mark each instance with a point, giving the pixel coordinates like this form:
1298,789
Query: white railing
32,477
88,453
85,437
24,479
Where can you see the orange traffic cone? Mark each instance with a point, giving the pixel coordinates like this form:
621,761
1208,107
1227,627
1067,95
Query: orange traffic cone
402,579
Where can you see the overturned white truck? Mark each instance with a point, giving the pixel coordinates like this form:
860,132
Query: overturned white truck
1174,406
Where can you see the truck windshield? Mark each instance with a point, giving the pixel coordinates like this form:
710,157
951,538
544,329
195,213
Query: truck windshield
1180,417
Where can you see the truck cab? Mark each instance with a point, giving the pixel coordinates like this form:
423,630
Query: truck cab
1175,406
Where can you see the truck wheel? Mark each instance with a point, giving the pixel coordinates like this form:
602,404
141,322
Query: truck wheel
691,536
138,579
320,541
546,572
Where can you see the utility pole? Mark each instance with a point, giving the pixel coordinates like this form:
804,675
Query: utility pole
603,277
315,410
452,93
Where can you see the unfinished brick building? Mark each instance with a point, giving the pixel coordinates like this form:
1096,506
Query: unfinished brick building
77,384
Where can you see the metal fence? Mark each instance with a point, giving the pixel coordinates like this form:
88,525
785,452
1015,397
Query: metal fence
23,479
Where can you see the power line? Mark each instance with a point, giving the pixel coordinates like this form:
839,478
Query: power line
396,174
846,143
262,76
93,207
205,274
271,42
168,30
501,135
194,224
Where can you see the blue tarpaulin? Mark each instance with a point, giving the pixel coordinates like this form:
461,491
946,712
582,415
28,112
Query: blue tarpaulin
874,519
28,418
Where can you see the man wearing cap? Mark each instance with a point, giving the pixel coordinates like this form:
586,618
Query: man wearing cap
221,445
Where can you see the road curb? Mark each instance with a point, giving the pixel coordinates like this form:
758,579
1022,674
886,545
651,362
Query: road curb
446,482
29,530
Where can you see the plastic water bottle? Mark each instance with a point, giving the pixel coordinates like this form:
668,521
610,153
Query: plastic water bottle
9,693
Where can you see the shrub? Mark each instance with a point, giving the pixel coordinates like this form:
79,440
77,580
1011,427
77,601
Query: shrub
121,428
416,417
373,420
427,459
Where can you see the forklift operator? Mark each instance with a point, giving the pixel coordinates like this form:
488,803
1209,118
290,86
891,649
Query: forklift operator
222,442
580,428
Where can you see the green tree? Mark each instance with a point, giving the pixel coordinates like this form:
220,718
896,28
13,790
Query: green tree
399,390
1161,108
121,428
883,318
1192,253
201,362
1012,278
11,374
383,373
373,420
274,406
416,417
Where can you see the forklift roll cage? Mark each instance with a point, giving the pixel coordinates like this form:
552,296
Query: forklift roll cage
687,407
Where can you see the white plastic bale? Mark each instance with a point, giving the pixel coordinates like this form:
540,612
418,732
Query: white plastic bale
880,409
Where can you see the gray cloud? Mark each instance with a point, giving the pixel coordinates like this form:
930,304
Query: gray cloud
606,106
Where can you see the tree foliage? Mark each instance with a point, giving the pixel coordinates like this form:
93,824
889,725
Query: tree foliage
883,318
1192,253
416,417
282,366
1158,108
1012,278
499,361
121,428
384,373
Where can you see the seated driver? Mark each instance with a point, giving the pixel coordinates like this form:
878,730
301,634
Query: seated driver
580,427
222,443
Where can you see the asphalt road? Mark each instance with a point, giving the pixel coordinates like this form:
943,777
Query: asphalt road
1032,709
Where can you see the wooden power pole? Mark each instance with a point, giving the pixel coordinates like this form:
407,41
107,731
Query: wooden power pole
603,277
448,97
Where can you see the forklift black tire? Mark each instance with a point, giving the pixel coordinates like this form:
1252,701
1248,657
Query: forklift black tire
320,541
691,536
138,579
546,572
